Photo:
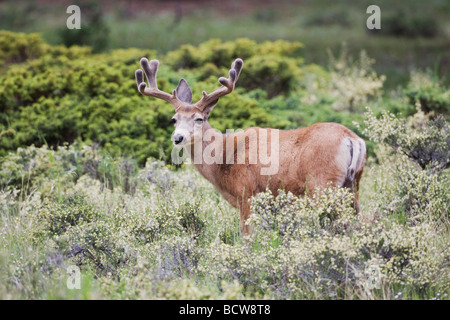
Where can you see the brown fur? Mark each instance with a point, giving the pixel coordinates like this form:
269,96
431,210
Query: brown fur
307,160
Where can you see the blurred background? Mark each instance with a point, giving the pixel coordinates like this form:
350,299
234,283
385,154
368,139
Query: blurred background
414,34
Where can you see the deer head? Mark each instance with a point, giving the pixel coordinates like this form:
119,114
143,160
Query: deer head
189,118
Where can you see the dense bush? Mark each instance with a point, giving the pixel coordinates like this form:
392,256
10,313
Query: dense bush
424,141
353,83
57,218
69,95
19,47
429,93
275,71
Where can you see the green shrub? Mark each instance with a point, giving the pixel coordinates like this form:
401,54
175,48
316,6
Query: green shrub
424,141
95,246
56,218
429,94
419,178
38,168
274,74
276,71
19,47
49,170
191,220
353,83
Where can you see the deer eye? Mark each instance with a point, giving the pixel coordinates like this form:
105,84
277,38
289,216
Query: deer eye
198,120
174,120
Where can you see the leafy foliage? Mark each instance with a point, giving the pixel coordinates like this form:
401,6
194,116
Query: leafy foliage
424,141
274,72
429,93
18,47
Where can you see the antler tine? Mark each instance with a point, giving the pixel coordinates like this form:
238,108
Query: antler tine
227,85
150,69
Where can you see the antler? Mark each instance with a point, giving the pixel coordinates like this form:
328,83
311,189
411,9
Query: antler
226,88
150,70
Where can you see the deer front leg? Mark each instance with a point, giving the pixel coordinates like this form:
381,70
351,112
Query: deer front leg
244,214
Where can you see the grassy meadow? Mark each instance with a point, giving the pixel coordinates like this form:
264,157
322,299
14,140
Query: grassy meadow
86,179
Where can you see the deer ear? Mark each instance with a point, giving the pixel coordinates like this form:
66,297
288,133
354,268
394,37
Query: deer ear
184,93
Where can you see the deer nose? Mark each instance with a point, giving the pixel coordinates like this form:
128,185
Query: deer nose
178,139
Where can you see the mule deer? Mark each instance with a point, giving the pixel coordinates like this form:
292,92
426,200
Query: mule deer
302,159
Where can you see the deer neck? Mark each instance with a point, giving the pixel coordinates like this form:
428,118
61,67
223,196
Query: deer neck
197,153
